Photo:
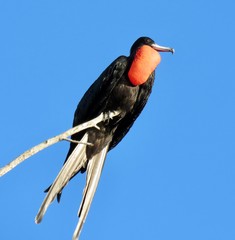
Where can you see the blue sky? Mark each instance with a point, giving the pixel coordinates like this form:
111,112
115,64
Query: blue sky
173,175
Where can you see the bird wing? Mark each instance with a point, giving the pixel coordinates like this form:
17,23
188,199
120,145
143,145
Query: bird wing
95,99
127,122
94,169
73,164
90,106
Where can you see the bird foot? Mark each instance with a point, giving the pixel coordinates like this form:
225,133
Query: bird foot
108,116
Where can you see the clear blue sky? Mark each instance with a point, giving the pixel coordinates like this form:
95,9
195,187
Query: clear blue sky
173,176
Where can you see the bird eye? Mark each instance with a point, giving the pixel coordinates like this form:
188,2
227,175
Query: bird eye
148,41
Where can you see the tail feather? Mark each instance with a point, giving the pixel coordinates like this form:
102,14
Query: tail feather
94,169
73,164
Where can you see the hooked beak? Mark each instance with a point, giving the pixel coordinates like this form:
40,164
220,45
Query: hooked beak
162,49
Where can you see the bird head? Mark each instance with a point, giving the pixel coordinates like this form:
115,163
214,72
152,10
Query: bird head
145,57
149,42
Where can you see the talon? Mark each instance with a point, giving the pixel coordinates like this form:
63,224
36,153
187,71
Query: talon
108,116
111,113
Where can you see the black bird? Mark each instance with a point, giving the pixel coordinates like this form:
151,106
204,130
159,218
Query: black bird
124,86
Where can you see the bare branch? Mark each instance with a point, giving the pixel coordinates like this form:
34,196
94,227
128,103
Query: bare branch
78,142
56,139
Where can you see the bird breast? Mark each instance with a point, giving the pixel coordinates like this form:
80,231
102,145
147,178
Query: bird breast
124,96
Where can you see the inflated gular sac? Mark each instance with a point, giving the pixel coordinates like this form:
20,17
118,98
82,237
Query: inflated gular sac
144,63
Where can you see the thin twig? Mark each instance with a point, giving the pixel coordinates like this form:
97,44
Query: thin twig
78,142
56,139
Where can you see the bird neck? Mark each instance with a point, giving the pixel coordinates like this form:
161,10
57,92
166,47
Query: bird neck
144,63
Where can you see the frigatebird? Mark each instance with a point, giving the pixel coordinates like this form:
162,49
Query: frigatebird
124,86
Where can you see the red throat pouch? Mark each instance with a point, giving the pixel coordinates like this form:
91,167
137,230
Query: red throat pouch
144,63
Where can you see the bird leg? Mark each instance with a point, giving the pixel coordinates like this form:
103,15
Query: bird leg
107,116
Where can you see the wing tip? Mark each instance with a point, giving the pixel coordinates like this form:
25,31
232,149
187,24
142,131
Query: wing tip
78,230
41,213
38,219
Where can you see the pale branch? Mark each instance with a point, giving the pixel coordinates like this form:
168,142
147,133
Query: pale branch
78,142
56,139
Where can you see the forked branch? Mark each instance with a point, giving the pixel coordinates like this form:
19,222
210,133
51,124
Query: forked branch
56,139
